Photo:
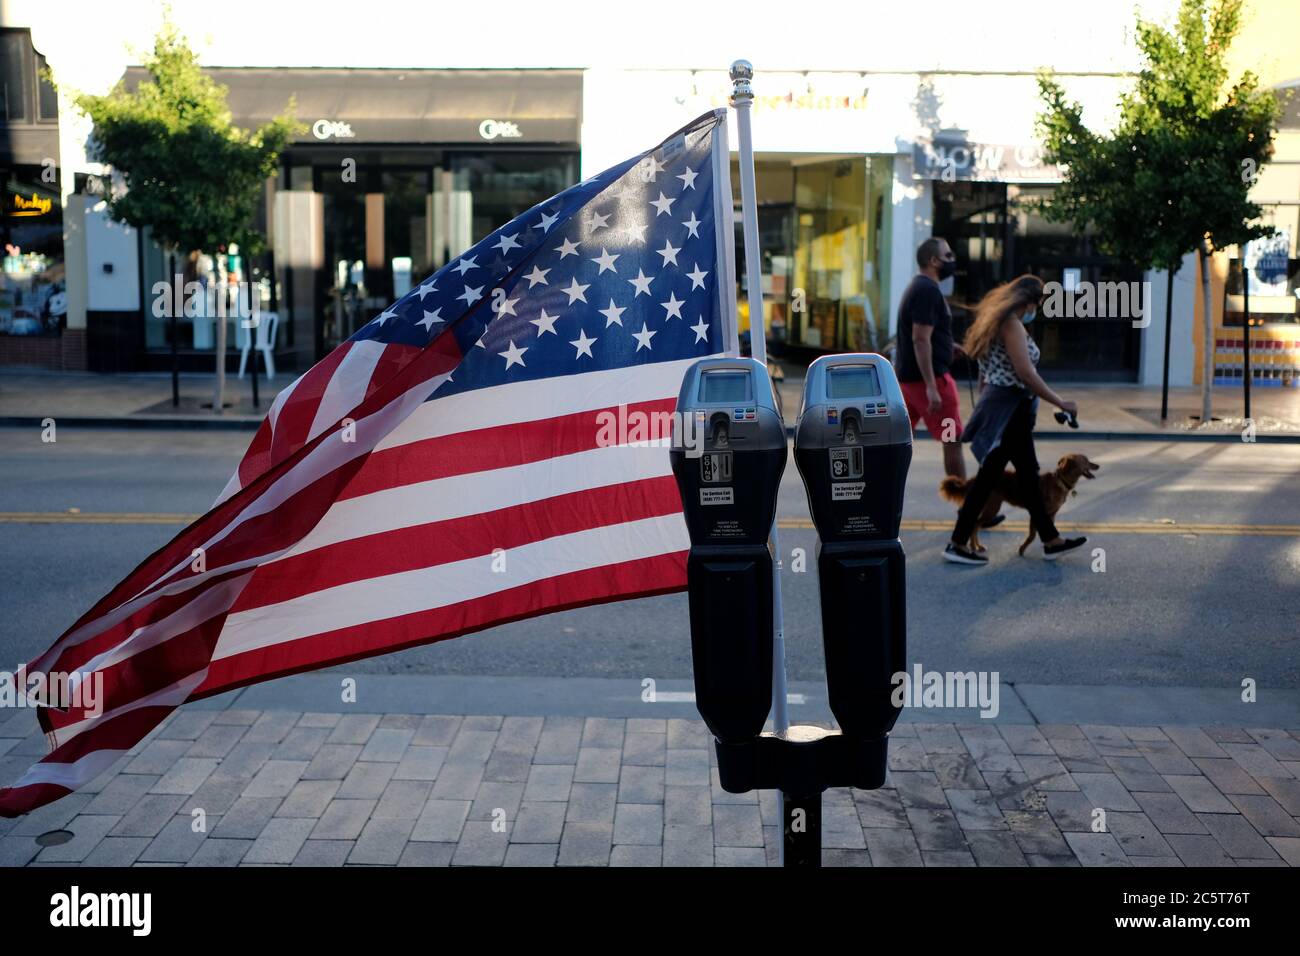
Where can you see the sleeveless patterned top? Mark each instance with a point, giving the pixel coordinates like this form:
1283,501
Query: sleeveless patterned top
996,367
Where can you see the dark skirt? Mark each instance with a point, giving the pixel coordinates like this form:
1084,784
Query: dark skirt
993,410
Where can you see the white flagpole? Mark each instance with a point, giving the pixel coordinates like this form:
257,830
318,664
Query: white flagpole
742,99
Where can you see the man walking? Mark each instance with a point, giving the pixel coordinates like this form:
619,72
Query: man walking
925,351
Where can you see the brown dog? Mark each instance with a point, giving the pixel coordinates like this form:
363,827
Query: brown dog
1055,487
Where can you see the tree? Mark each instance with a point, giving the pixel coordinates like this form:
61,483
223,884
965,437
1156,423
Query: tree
188,173
1173,176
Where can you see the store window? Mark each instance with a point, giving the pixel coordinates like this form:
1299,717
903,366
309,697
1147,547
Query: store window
33,289
407,213
1274,270
998,233
16,76
822,232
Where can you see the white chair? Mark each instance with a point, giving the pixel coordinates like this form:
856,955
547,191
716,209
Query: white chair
265,342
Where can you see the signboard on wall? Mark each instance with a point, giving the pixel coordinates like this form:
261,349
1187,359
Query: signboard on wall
955,158
1266,262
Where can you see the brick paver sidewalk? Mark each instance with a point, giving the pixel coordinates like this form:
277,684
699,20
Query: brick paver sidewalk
247,787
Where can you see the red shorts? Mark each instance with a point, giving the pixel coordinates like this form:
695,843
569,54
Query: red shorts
945,424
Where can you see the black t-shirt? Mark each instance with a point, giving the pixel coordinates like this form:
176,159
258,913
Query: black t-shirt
923,304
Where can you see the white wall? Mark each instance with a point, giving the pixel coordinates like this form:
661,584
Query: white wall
913,207
110,243
822,34
1182,351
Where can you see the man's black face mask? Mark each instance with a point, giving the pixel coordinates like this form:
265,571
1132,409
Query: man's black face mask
946,268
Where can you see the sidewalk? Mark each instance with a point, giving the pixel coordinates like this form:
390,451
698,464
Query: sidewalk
1108,411
144,401
337,785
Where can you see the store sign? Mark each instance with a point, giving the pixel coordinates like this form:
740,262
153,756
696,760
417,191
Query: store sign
1267,261
839,93
30,206
491,129
332,129
958,159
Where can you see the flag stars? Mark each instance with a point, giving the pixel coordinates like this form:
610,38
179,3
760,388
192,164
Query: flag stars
597,220
583,345
613,315
430,318
701,331
673,307
545,323
663,204
605,261
567,248
688,178
641,283
471,295
576,292
692,226
513,356
464,265
539,275
504,306
635,231
384,316
547,222
669,252
643,338
697,277
506,243
425,288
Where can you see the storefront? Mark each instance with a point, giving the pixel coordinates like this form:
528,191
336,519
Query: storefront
824,146
1272,268
396,172
985,198
822,225
33,299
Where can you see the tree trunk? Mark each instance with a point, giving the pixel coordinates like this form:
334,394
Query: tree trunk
1207,334
219,392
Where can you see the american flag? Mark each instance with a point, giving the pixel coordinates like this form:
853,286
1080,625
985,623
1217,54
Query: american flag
447,469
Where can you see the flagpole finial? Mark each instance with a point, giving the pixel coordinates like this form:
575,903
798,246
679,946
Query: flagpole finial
742,71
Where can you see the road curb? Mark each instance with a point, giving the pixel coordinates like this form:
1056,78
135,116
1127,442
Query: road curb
1105,705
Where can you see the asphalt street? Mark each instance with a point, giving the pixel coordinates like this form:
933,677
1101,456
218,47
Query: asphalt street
1201,585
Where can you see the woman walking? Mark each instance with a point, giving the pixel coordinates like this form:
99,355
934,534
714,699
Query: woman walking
1001,427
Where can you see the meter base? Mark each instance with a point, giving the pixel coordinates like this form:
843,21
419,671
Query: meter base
804,763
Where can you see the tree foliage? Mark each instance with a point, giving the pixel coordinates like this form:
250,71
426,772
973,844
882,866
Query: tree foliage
1178,168
189,173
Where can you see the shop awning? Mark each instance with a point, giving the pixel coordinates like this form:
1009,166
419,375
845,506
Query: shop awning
408,106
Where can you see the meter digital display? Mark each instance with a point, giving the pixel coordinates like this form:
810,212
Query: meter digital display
725,387
852,381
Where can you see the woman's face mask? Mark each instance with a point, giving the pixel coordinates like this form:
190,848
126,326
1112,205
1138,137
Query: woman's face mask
1028,316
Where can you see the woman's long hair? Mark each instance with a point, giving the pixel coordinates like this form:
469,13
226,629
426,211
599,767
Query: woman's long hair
995,308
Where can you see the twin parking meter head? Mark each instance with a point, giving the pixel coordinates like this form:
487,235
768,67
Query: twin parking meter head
728,453
853,447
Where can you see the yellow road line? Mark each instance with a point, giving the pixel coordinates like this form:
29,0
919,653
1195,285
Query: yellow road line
803,524
92,517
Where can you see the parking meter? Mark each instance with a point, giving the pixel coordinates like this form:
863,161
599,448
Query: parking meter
853,447
728,453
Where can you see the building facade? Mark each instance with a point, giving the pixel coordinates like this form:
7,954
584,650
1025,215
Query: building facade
400,168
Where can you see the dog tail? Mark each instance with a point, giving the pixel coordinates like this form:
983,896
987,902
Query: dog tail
954,489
